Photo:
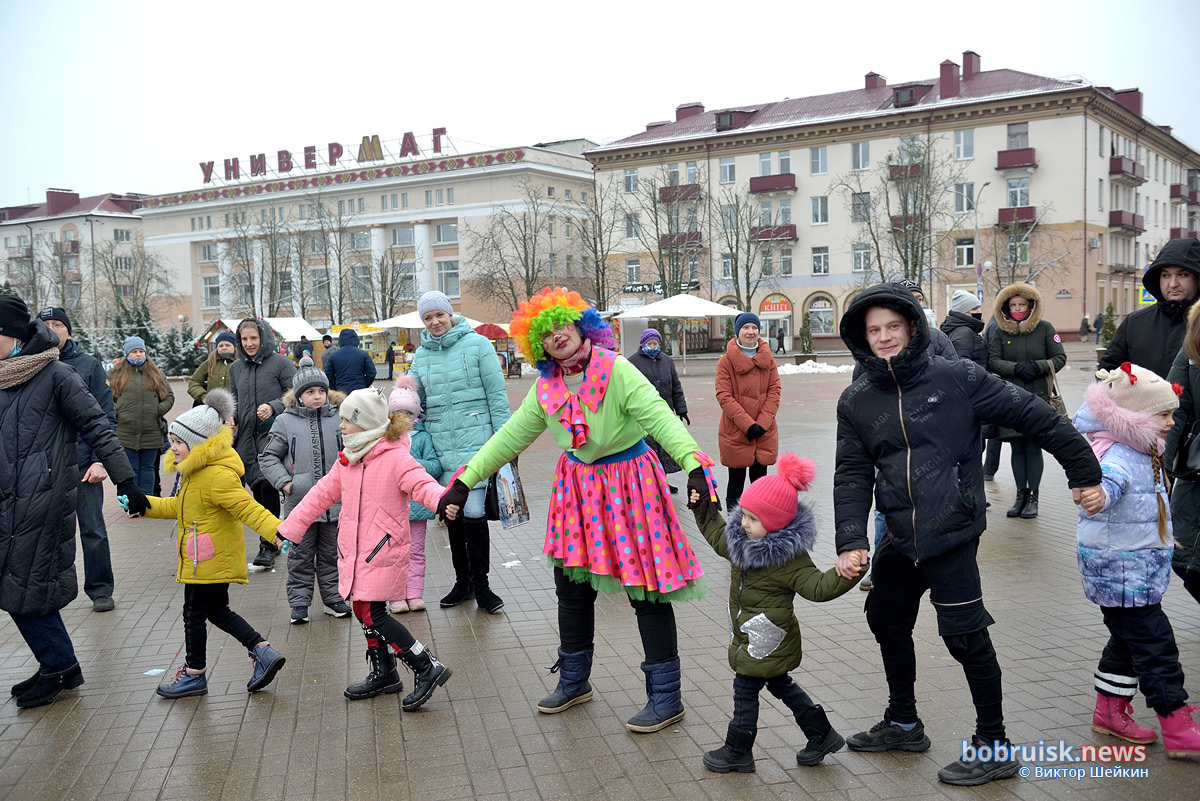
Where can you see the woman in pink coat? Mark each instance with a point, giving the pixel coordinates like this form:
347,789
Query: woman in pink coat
374,477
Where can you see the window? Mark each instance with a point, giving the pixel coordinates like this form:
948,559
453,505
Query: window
728,171
402,237
820,261
1018,250
441,197
633,225
964,144
208,252
123,263
320,285
342,208
727,265
820,210
818,163
785,261
693,220
764,163
550,226
860,155
122,235
631,180
728,217
394,205
1018,135
764,213
285,288
404,200
785,162
860,255
672,175
383,200
860,206
360,240
241,289
447,278
446,232
360,283
582,196
126,291
1100,196
692,170
785,213
210,291
768,263
964,198
633,270
566,194
1018,192
964,252
568,227
316,243
693,267
428,197
570,264
549,191
910,151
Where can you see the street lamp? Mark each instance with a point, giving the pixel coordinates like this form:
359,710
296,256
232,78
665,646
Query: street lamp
978,265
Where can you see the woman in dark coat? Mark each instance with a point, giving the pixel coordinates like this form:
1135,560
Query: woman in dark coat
1024,351
659,369
1185,494
45,409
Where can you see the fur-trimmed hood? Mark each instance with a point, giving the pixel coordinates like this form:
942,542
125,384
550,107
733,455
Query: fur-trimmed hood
1000,309
216,450
778,547
1100,412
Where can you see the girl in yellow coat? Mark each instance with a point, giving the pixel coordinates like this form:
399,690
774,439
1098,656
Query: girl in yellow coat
210,508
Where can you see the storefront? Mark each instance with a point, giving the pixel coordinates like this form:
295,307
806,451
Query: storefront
776,315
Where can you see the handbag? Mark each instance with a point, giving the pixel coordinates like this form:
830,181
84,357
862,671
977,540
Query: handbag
491,501
1187,454
1056,401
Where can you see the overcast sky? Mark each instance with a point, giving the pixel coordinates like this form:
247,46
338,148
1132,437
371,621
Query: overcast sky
129,96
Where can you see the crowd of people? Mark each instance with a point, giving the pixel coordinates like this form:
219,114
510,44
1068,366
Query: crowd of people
348,476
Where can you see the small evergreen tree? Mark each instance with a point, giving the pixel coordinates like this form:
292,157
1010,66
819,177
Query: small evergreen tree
806,343
1109,328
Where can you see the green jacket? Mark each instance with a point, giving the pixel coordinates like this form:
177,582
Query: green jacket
767,574
141,415
204,379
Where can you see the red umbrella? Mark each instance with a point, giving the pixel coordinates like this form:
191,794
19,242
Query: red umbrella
491,331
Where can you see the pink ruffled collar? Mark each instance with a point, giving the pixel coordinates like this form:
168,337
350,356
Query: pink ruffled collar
558,401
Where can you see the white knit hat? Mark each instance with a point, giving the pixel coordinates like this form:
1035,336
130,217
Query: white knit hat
434,301
204,421
1138,389
365,408
963,301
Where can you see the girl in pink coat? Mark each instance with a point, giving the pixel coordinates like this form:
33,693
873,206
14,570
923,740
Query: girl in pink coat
373,478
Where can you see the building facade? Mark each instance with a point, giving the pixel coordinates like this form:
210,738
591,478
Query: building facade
972,180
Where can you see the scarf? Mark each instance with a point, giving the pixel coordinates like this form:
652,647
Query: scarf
15,372
575,363
357,445
1101,441
1019,316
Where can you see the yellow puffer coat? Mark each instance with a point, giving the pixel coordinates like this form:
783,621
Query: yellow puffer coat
210,508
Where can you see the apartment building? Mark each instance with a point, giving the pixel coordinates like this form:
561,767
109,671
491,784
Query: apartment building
989,175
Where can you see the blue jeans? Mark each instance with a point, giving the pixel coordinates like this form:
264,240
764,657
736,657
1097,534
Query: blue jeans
47,637
93,535
142,463
476,505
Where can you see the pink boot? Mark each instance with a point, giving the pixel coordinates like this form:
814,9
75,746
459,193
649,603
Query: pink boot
1181,732
1113,716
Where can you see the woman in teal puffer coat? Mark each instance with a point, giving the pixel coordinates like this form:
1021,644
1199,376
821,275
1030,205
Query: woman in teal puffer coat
459,378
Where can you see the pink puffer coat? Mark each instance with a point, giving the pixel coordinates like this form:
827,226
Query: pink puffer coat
373,534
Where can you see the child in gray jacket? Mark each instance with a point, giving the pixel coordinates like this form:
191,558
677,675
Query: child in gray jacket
300,449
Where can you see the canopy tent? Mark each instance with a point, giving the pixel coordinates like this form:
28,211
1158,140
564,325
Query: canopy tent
413,320
292,328
681,307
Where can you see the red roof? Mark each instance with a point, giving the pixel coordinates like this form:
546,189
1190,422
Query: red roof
108,203
985,86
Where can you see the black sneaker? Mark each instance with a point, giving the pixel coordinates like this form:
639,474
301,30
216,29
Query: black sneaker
887,736
980,771
299,614
266,554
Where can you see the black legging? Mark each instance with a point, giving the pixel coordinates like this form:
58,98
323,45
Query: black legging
1027,463
204,602
266,495
737,480
577,620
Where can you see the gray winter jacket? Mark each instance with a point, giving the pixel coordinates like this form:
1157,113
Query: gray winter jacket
255,381
302,447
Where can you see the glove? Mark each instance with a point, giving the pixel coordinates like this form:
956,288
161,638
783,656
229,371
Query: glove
1021,371
455,495
1035,369
755,431
685,419
706,506
132,499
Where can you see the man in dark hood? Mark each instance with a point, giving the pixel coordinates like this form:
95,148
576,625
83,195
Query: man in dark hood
350,367
1151,337
908,434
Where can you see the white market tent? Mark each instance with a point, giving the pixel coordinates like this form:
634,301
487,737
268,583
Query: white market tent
683,307
413,320
292,328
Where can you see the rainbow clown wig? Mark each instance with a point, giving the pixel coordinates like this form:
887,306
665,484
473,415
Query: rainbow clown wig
549,309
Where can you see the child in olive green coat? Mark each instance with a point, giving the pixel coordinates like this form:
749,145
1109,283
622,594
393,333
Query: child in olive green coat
767,541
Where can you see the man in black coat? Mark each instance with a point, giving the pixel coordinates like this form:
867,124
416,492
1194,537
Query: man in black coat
390,358
908,434
45,409
1151,337
350,367
98,579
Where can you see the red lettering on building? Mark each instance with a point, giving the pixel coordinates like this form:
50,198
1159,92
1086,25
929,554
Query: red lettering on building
335,153
408,146
775,303
258,164
206,167
233,169
438,133
310,157
285,161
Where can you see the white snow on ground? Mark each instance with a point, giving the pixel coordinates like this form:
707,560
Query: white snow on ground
814,367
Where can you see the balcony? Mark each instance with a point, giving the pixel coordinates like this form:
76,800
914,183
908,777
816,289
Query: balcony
66,248
1179,193
1194,197
1126,171
784,182
1017,215
774,233
678,193
684,241
1180,233
1022,158
1122,268
20,252
902,172
905,222
1128,222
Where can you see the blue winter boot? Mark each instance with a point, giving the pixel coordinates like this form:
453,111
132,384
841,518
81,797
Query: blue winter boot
665,704
266,662
184,684
573,688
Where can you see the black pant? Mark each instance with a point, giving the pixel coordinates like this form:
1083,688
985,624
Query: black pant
956,593
991,461
577,620
746,690
1142,644
1191,581
380,627
266,495
210,602
737,480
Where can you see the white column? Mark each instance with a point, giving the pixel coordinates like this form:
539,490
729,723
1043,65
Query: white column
225,271
295,266
256,257
423,256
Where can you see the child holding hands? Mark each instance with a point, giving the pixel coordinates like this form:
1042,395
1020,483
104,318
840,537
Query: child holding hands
209,509
767,540
374,477
1125,546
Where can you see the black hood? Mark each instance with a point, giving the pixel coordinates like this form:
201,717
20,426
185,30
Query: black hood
957,319
39,338
900,300
1183,253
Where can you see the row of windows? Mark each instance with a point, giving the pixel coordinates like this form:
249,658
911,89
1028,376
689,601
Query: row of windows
315,242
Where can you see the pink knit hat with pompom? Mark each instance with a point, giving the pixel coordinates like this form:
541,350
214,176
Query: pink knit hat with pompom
772,499
404,396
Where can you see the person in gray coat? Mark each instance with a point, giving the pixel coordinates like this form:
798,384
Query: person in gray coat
300,449
258,379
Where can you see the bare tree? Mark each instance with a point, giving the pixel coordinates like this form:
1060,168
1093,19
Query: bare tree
274,277
305,247
393,281
600,232
333,222
752,234
54,276
1024,250
130,276
242,251
665,219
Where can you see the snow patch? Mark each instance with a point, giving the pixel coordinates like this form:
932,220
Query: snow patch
814,367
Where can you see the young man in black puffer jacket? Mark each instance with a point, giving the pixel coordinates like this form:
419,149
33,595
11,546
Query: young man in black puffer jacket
908,432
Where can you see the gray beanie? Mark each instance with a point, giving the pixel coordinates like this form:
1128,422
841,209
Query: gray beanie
196,425
964,301
133,343
305,361
307,377
434,301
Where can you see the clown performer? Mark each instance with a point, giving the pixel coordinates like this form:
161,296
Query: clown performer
611,525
